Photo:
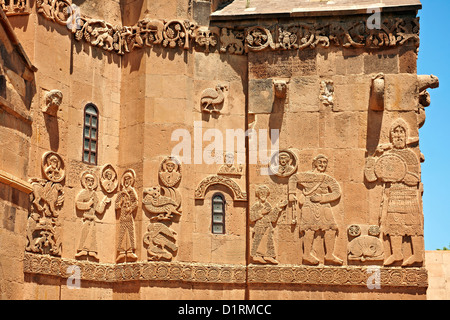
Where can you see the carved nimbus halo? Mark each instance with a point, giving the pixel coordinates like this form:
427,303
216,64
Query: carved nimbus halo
53,167
292,164
238,194
128,173
164,174
113,181
83,177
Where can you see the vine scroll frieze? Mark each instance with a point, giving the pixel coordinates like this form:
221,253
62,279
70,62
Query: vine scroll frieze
185,34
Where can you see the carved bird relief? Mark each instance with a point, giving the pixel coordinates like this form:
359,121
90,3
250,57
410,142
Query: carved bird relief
211,99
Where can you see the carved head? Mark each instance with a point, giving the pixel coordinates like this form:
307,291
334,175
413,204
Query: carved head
284,159
229,158
53,98
399,134
154,192
53,162
320,163
89,180
262,193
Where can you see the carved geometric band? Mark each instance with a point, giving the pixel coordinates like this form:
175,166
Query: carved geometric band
328,275
226,274
150,271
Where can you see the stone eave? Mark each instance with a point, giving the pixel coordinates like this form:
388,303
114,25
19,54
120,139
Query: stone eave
15,41
14,182
234,12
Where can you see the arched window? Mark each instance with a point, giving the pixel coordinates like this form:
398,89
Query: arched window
218,214
90,134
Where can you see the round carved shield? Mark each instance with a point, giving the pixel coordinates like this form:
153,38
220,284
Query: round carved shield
390,168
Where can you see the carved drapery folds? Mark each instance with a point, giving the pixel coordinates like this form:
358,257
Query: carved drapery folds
47,198
186,34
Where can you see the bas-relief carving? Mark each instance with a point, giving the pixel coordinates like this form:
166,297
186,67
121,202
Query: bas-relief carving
109,179
264,217
164,203
15,7
318,191
327,93
89,203
238,194
47,198
126,204
229,168
283,163
365,244
52,102
425,82
212,99
178,33
397,167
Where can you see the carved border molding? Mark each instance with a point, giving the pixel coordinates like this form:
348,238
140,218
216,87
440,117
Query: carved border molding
151,271
344,276
238,194
185,34
231,274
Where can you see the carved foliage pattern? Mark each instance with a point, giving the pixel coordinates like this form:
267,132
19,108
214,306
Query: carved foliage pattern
185,34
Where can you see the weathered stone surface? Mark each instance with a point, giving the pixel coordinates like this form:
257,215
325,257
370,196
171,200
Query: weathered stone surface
181,201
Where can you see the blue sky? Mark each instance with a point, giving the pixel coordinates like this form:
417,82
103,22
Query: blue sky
434,58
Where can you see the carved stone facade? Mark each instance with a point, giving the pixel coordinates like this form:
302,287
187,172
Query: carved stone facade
185,198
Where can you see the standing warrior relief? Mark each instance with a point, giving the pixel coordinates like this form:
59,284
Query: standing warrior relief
126,207
43,228
160,238
264,217
398,168
318,191
87,201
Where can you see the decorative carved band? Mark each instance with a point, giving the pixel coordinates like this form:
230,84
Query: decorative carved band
332,275
212,273
151,271
185,34
15,7
238,194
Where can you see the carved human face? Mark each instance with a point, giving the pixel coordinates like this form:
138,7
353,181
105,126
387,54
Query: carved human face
284,159
170,166
321,164
229,159
108,175
127,181
399,137
54,162
262,194
89,181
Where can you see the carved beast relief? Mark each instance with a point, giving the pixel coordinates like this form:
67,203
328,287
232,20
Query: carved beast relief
47,198
164,203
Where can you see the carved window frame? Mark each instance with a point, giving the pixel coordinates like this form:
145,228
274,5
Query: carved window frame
218,226
90,126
